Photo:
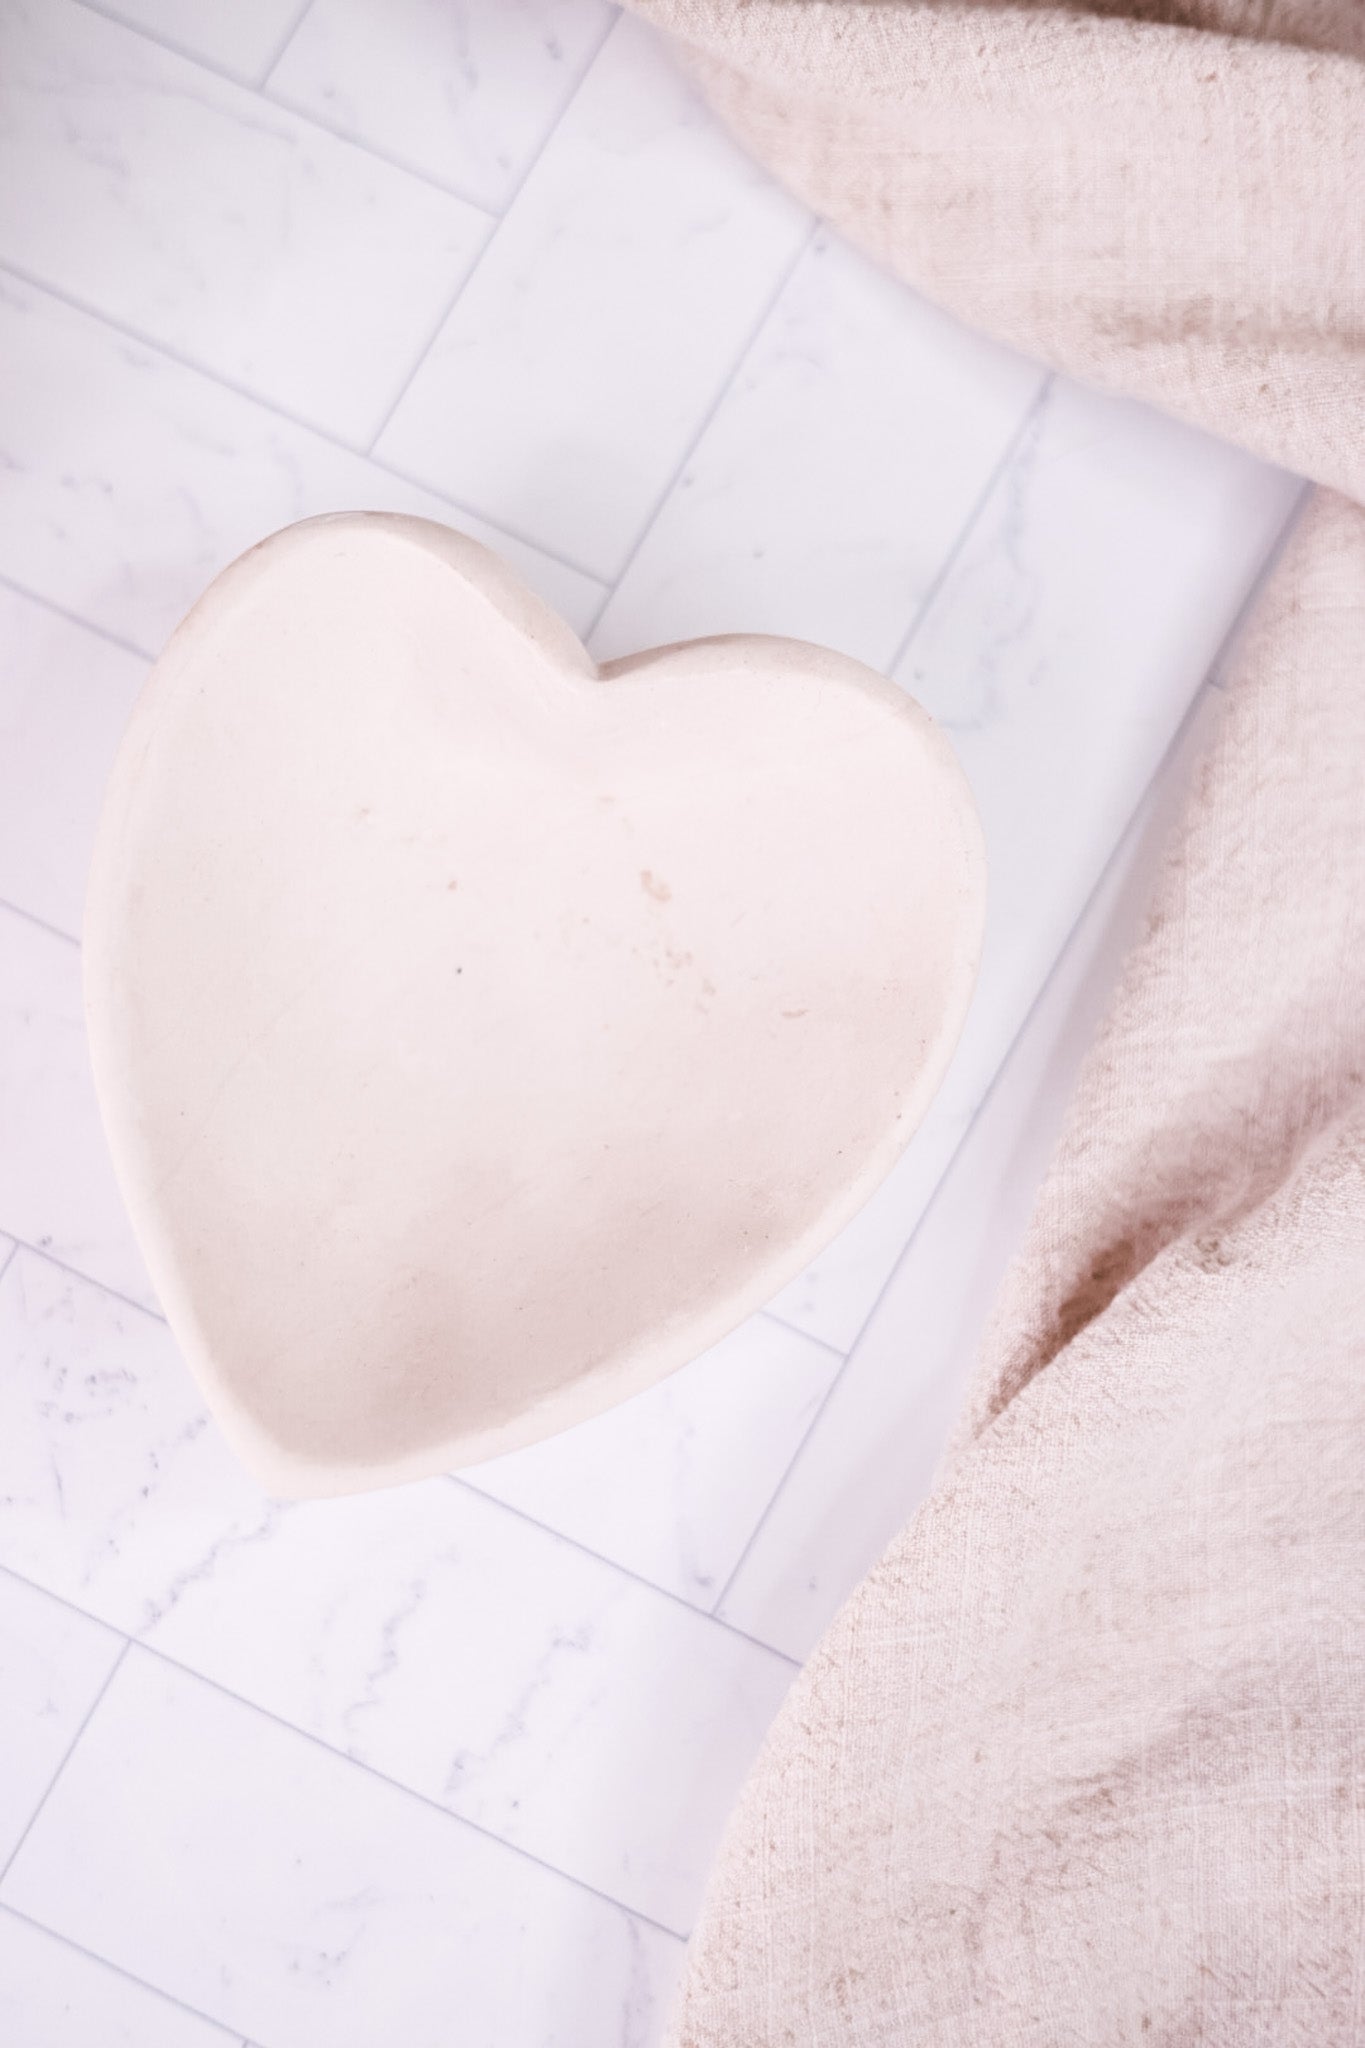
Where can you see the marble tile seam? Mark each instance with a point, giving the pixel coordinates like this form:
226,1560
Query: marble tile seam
249,1706
770,1315
73,618
438,329
174,49
67,1753
107,1963
953,553
625,1571
258,87
281,49
698,433
396,163
55,931
39,1251
128,332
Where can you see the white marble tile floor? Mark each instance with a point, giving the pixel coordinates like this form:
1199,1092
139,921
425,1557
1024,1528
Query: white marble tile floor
447,1764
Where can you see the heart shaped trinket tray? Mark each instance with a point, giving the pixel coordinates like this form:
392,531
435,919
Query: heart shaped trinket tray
480,1035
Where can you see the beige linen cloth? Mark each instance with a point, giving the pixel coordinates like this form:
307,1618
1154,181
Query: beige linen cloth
1083,1760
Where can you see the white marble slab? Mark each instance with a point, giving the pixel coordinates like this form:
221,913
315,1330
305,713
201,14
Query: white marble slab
1072,630
56,1996
243,38
428,1631
604,317
463,92
65,697
128,481
53,1664
841,465
57,1186
672,1483
291,1895
224,228
871,1457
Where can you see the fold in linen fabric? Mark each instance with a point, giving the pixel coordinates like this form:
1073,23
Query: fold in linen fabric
1083,1760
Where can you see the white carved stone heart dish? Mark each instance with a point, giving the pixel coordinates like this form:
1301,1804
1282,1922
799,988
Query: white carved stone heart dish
481,1035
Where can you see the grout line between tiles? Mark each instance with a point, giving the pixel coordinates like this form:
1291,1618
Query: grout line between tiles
275,410
38,1251
1168,755
531,166
381,156
67,1754
512,533
61,611
718,398
53,930
110,14
999,469
668,1593
373,439
256,86
107,1963
494,213
273,63
770,1315
459,1820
